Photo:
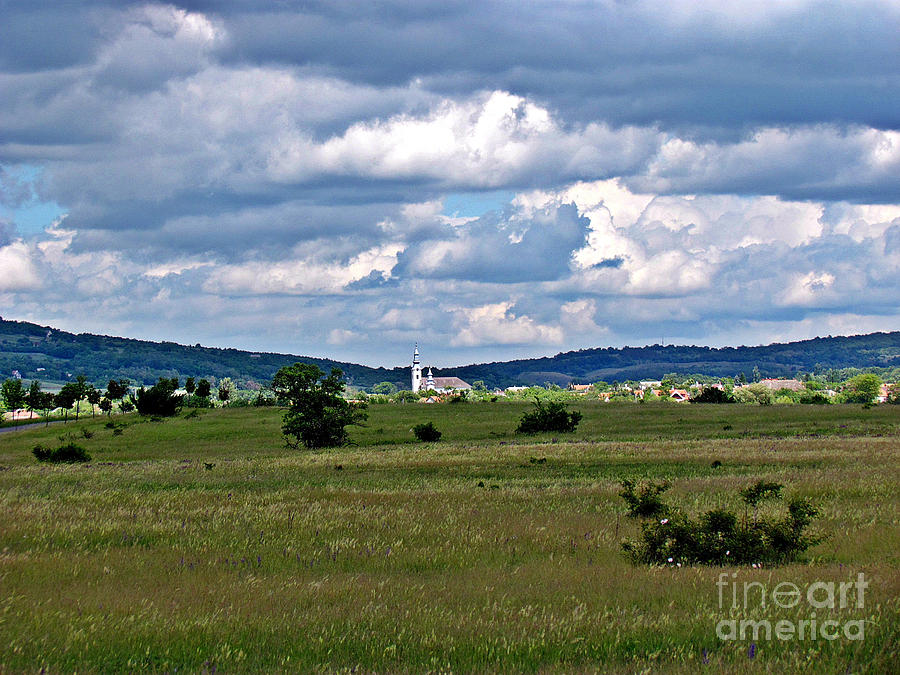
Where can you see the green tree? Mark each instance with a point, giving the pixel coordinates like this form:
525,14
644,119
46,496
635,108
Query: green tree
93,397
116,390
863,388
317,414
204,388
38,399
66,398
160,399
190,385
13,394
755,393
386,388
226,386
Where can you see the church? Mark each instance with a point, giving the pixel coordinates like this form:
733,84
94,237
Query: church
442,385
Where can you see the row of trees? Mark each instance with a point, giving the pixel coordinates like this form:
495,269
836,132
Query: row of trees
160,399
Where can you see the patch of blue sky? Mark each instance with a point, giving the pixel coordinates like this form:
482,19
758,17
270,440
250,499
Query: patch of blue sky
30,215
476,204
35,217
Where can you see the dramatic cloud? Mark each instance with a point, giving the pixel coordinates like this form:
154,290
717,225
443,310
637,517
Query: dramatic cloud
281,176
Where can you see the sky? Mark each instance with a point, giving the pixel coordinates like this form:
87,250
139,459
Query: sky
492,180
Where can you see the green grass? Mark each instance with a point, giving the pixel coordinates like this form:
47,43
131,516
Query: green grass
204,544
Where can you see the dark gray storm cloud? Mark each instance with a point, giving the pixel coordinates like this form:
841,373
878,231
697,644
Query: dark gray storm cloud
228,158
678,65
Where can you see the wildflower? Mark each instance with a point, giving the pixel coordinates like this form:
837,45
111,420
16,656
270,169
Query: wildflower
751,653
670,559
664,521
727,552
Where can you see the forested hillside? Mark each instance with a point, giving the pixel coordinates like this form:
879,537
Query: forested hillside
877,350
50,355
47,354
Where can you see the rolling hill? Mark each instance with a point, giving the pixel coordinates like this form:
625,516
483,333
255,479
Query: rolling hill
48,354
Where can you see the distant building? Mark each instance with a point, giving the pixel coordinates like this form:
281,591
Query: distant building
441,385
775,385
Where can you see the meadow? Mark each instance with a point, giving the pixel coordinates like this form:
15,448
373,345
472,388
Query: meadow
202,544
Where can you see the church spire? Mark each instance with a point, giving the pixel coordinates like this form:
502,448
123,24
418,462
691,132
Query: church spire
416,371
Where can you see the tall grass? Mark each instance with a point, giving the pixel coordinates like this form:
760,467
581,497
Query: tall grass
205,545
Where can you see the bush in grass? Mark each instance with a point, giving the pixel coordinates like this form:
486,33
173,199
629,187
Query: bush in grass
427,432
814,398
713,395
550,416
645,502
69,453
718,537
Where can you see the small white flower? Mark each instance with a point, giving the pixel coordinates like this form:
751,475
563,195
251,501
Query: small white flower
679,564
670,559
664,521
727,552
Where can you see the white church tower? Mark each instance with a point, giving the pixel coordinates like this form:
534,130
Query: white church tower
416,371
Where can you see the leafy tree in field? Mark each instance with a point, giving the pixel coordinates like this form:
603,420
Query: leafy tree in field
190,385
106,405
66,398
317,414
226,386
78,391
894,394
94,397
386,388
37,399
116,390
160,399
755,393
204,389
13,394
863,388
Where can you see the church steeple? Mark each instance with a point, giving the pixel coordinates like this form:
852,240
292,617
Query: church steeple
416,371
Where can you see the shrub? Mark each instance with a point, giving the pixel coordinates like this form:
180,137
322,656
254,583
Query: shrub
713,395
814,398
646,503
717,537
551,416
69,453
427,433
194,401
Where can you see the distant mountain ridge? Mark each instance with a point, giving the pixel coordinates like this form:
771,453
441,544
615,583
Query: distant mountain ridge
48,354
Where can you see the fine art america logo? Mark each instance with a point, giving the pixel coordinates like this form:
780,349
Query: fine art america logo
825,597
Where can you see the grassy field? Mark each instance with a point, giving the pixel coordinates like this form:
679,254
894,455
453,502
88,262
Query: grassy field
202,544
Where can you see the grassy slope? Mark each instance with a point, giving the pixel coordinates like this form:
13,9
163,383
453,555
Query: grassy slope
274,559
